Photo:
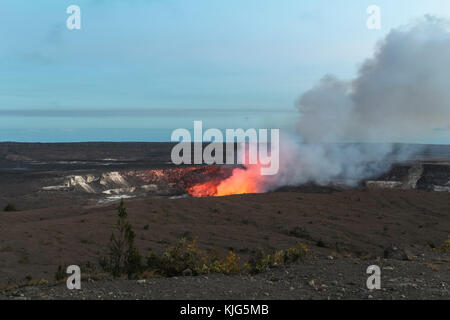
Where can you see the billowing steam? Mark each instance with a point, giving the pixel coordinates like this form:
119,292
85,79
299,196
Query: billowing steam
347,129
401,94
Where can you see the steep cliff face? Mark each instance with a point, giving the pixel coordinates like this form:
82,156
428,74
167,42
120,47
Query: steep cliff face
435,177
177,181
422,176
168,182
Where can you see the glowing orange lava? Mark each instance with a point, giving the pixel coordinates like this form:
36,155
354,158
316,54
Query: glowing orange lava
242,181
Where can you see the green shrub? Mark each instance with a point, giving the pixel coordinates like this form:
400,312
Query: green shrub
123,257
260,261
184,255
229,265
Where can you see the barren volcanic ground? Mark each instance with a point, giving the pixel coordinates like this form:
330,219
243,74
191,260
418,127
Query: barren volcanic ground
346,231
356,224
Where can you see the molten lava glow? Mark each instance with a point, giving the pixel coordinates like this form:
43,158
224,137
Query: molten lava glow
242,181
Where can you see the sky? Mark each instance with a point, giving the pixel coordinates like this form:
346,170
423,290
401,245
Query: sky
136,70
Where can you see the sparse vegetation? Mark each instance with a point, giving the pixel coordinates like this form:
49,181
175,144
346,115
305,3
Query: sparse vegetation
184,258
261,262
445,247
123,257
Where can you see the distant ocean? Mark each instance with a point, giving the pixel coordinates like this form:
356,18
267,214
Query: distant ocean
85,135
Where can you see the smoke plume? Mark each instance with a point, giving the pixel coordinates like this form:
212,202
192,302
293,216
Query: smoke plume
347,128
401,94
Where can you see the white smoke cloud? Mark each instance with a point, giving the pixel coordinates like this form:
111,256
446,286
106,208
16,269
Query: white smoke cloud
401,94
348,128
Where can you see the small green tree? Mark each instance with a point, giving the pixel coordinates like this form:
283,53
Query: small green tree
123,257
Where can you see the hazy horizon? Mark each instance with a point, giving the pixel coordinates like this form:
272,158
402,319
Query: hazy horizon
136,71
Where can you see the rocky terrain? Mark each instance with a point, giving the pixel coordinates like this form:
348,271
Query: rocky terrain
425,277
354,227
67,212
47,175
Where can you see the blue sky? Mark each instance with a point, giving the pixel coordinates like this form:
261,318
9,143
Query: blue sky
139,69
